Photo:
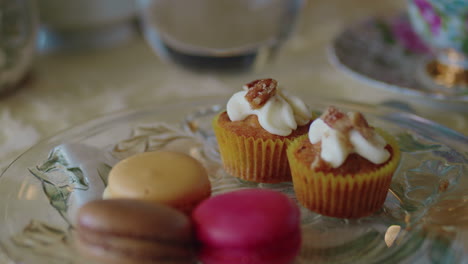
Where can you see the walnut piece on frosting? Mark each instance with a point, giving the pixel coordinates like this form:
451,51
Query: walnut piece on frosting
342,122
260,91
360,124
336,119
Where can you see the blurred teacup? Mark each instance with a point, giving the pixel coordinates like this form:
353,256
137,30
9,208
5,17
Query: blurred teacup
18,28
86,24
443,26
218,34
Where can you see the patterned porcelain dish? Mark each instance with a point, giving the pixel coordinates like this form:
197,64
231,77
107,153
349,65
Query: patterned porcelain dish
387,53
420,222
443,26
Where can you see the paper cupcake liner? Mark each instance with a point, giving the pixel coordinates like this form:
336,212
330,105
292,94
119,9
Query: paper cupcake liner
344,196
252,159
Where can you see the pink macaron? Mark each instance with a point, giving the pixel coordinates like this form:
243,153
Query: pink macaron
248,226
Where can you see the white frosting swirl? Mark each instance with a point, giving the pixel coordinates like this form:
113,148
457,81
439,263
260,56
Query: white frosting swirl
337,145
280,115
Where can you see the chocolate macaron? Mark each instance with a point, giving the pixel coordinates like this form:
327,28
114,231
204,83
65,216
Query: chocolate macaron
121,231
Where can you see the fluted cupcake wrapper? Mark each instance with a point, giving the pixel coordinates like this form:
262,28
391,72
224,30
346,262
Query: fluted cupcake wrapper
344,196
253,159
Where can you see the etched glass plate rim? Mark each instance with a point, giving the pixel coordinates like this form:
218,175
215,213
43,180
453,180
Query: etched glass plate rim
197,103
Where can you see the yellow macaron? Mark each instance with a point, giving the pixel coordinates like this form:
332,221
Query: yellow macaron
167,177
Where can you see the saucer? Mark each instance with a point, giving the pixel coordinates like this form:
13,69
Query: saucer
385,52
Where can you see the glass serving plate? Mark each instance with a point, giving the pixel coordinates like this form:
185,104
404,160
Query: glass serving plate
423,219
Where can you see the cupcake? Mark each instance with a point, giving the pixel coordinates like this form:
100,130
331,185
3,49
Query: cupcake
255,130
343,167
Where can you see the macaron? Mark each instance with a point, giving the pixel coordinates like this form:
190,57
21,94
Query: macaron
172,178
120,231
247,226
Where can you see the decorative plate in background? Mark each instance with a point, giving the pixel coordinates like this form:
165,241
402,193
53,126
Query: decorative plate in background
419,222
387,53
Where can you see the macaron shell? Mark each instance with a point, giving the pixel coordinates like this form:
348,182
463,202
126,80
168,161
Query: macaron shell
135,246
245,218
282,251
104,255
136,219
134,252
162,176
134,231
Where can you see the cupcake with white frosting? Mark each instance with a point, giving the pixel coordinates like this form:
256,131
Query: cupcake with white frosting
255,130
343,167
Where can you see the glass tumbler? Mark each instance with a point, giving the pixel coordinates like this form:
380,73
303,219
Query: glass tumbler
18,30
218,34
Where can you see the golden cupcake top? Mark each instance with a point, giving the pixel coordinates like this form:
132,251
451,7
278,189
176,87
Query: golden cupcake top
278,113
342,134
